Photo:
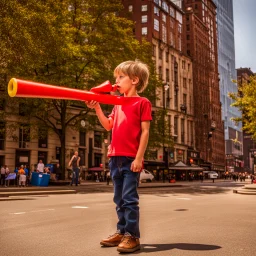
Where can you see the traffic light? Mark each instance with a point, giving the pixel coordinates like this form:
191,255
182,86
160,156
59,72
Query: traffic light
101,165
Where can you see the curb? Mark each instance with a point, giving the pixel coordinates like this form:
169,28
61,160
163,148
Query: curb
37,192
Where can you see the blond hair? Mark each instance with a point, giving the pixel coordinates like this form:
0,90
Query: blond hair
134,69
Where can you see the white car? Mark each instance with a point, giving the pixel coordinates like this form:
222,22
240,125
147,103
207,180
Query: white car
212,174
146,175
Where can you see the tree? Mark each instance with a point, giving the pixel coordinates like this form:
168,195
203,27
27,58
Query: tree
76,43
245,101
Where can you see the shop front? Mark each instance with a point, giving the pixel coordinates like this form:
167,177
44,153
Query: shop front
181,171
157,168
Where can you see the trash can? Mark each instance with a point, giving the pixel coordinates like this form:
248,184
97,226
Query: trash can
40,179
44,180
35,179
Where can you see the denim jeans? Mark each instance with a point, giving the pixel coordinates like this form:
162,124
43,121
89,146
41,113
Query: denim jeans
126,196
75,176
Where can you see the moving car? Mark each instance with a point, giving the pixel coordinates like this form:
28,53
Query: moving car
146,175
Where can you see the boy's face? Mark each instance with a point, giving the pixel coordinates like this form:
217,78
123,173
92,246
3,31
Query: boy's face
126,85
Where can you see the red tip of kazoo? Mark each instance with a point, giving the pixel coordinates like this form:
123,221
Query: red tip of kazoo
104,88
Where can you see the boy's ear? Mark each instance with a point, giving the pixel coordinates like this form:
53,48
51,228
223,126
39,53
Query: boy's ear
135,80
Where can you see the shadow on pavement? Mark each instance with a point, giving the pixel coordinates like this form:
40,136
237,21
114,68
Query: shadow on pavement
149,248
177,191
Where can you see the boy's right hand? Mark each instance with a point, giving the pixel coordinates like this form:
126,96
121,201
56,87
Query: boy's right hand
92,104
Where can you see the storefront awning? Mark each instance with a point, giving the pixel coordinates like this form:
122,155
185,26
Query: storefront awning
191,168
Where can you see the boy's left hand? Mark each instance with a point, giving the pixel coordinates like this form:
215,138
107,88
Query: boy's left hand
136,165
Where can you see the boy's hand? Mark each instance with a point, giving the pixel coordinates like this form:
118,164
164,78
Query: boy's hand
92,104
136,165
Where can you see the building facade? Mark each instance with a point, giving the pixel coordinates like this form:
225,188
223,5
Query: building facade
227,74
162,24
201,41
248,160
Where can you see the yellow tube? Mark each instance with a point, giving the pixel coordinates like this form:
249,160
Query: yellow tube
12,87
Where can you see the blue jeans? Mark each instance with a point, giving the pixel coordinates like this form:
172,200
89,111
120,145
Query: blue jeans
75,176
126,196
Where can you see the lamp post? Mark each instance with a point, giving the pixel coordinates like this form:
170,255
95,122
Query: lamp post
165,88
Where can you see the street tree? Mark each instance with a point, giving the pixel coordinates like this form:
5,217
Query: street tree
245,101
75,43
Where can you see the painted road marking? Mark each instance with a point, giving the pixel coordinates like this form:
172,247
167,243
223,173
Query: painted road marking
32,211
79,207
183,198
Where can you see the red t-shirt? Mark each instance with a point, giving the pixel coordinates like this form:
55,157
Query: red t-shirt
126,129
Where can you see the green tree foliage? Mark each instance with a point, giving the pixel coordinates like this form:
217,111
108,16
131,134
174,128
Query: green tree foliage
75,43
245,101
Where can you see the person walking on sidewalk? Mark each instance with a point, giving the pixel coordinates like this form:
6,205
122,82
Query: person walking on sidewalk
130,132
74,163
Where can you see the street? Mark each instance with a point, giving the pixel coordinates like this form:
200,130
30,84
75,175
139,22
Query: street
199,219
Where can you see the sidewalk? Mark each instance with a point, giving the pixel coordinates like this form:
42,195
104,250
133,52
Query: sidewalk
67,189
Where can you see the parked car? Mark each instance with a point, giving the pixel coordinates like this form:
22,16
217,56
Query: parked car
146,175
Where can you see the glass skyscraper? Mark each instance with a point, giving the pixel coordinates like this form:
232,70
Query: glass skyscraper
227,73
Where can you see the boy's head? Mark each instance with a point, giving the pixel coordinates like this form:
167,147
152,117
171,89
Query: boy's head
134,69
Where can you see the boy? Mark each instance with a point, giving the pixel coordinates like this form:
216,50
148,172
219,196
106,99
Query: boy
130,131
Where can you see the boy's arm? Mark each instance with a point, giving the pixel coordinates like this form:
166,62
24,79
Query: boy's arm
107,123
137,163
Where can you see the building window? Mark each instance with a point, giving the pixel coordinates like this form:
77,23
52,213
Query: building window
184,99
176,128
144,8
172,12
97,159
2,135
183,64
97,140
156,11
156,24
144,31
82,138
167,75
164,34
167,57
24,136
160,54
81,153
42,138
154,50
144,18
163,17
182,131
130,8
160,75
184,82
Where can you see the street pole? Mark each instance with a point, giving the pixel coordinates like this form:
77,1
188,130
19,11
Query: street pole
165,88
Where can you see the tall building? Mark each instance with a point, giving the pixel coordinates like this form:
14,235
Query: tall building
162,24
227,73
249,145
201,40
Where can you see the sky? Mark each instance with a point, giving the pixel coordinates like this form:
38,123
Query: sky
245,33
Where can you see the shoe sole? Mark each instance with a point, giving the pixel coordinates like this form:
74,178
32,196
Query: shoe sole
106,244
128,250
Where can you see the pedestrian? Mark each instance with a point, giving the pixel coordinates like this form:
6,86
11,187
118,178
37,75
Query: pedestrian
40,166
22,176
74,163
108,178
130,132
3,176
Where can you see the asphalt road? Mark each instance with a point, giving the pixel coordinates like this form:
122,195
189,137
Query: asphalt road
199,219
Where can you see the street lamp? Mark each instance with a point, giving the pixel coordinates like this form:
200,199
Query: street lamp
165,88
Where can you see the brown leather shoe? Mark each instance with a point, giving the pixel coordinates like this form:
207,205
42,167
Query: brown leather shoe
112,240
129,244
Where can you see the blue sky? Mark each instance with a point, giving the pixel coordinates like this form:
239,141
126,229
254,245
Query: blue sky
245,33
